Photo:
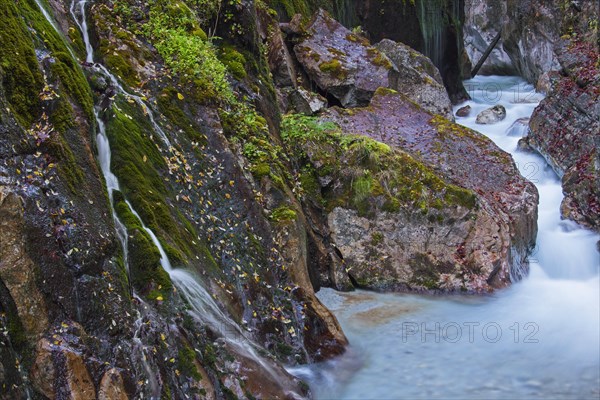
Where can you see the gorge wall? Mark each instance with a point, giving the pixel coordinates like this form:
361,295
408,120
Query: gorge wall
267,154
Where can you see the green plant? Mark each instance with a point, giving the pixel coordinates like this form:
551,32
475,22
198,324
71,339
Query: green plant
188,54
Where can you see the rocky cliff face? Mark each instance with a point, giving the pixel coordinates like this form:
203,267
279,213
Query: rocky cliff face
83,318
529,32
253,211
564,129
483,21
553,44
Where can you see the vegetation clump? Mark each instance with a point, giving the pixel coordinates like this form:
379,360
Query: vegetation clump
368,175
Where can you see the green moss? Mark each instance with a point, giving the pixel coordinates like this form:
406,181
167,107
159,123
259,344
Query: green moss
234,61
73,81
62,116
367,175
260,170
357,39
118,63
136,162
377,58
193,59
147,275
382,91
186,362
283,214
21,77
376,238
333,66
68,167
172,107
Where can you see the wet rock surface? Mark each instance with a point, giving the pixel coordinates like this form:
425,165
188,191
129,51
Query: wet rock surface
392,243
419,79
564,129
491,115
342,63
463,111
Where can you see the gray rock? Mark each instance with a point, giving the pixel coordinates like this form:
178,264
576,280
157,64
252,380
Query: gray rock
304,102
491,115
419,79
463,111
342,63
483,20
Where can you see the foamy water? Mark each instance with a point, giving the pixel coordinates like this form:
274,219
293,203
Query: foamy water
537,339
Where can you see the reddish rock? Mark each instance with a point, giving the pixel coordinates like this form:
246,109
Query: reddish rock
465,158
463,111
341,63
564,129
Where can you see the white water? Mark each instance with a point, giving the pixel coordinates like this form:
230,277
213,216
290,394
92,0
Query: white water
203,306
549,323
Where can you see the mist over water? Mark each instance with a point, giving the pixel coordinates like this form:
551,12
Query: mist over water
537,339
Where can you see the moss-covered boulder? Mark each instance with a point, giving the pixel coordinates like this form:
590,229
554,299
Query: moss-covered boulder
506,202
398,223
342,63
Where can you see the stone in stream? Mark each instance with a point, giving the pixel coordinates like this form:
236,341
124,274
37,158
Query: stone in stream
463,111
436,206
519,128
491,115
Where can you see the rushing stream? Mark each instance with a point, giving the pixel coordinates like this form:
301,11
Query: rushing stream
536,339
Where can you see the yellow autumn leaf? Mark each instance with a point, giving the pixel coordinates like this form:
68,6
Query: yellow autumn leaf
180,96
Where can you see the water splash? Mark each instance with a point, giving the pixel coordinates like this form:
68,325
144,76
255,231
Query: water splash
549,323
204,307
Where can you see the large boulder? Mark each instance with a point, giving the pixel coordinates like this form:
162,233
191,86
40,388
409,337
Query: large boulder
419,79
564,129
341,63
491,251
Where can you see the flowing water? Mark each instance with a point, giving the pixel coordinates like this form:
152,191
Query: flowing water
536,339
203,306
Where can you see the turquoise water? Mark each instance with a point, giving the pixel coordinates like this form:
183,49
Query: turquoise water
538,339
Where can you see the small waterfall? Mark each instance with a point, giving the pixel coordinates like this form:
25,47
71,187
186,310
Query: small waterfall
432,22
142,350
78,6
52,22
204,308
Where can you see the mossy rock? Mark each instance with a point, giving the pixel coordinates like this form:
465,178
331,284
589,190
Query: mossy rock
136,161
147,275
368,175
234,61
21,77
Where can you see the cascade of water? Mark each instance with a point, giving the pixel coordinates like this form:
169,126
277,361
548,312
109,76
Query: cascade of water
431,21
52,22
78,6
204,308
537,339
